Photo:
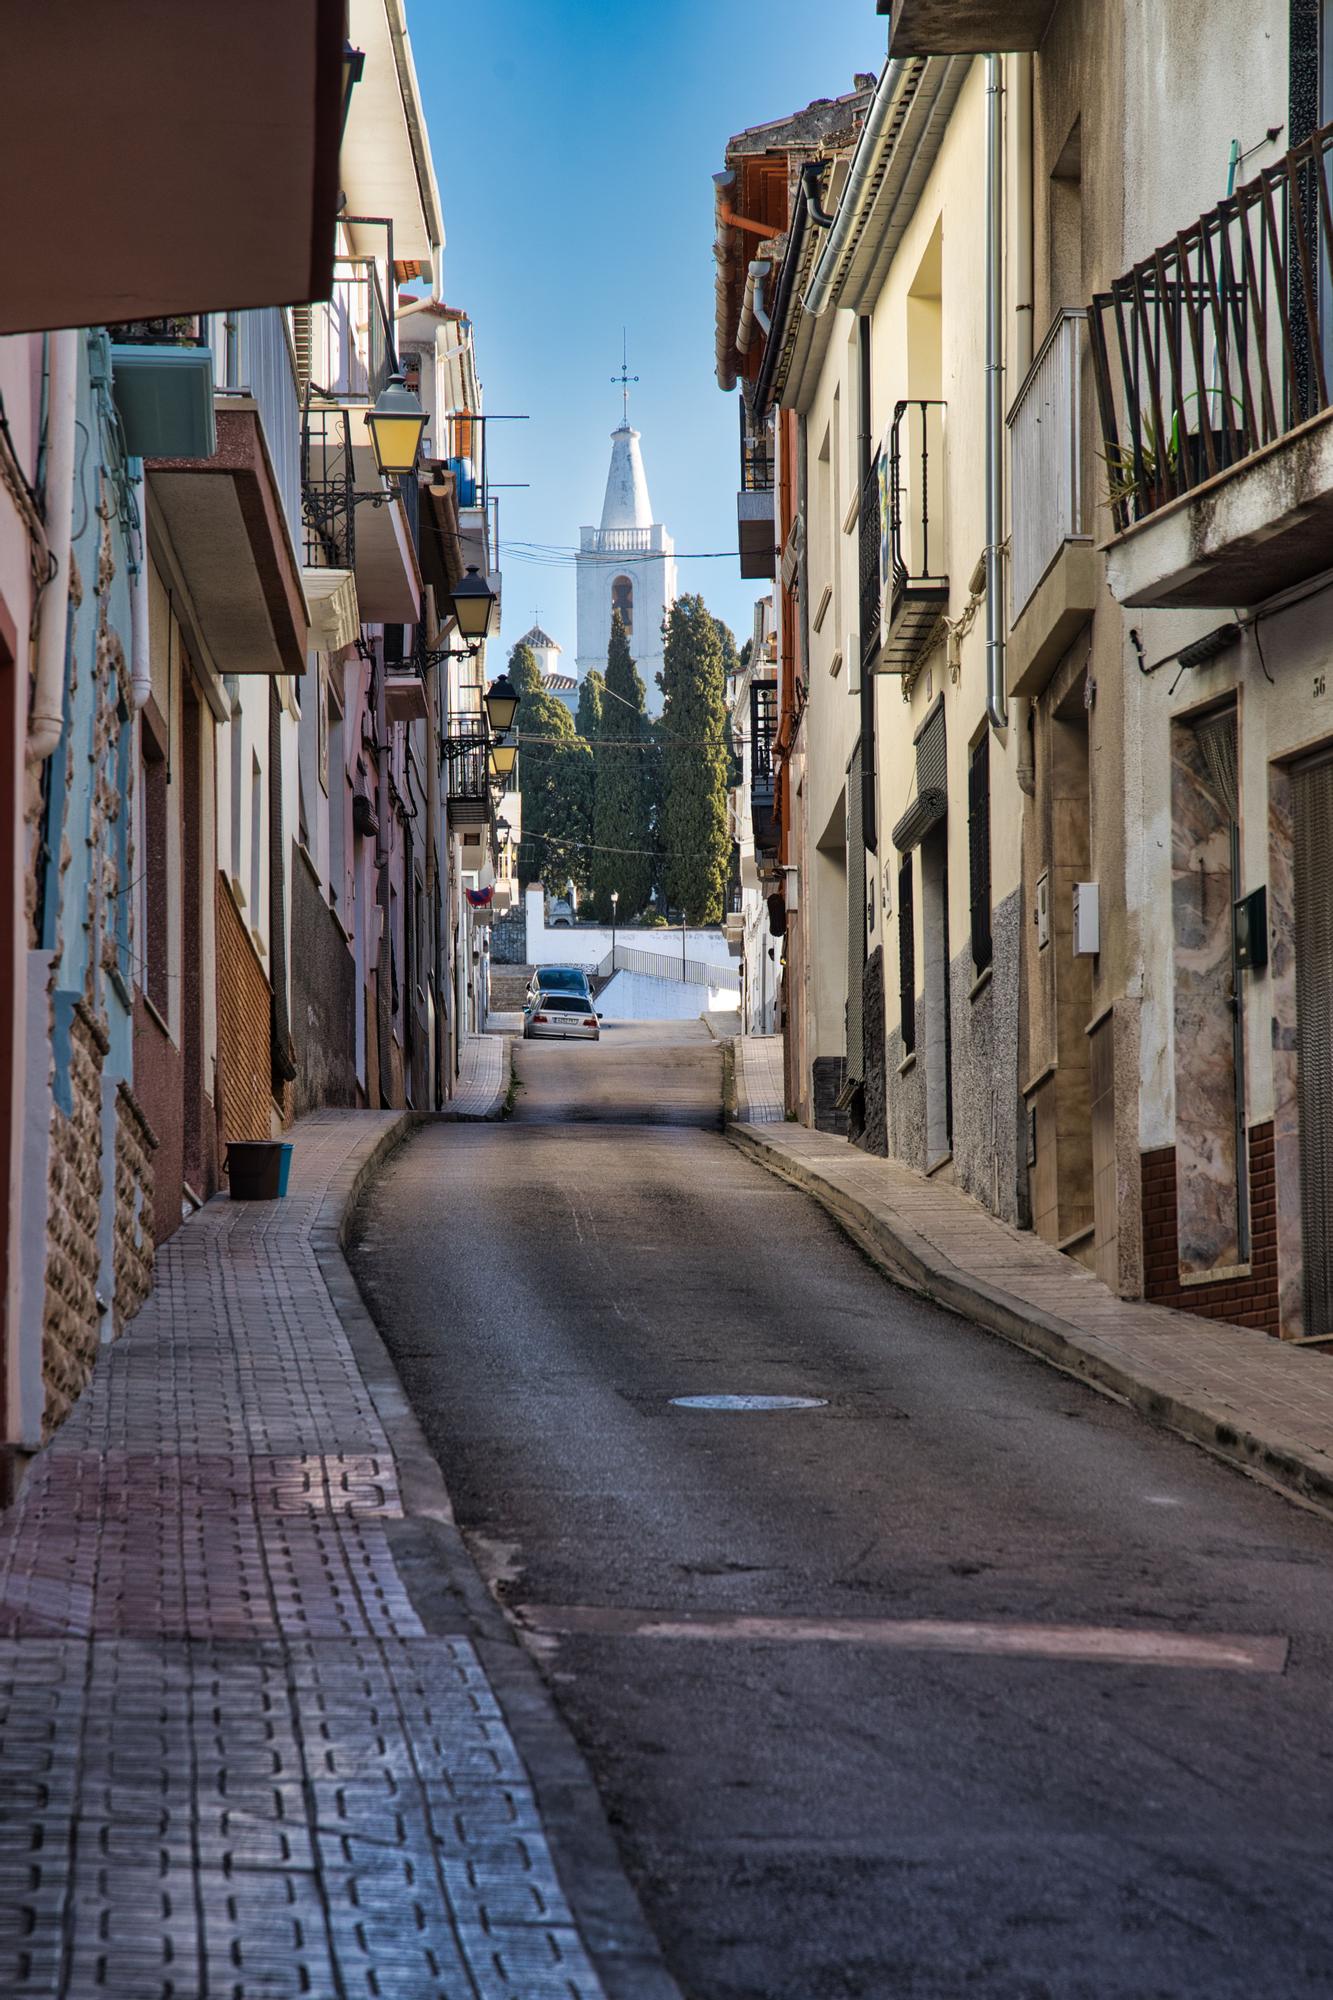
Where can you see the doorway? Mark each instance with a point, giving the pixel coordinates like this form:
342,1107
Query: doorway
1312,785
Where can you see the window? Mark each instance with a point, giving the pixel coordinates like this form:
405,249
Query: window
906,956
622,600
978,850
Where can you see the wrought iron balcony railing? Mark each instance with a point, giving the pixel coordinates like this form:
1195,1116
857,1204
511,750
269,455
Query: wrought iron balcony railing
175,330
327,504
912,567
1046,456
756,454
344,344
1220,343
763,775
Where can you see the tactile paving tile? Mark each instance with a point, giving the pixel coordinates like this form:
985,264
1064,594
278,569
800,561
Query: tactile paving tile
230,1760
284,1818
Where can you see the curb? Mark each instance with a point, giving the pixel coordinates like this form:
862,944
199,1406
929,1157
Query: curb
449,1596
495,1109
909,1261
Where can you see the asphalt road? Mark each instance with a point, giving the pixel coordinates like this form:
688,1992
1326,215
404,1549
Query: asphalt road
808,1814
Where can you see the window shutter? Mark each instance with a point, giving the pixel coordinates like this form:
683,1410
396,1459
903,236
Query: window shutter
978,847
906,956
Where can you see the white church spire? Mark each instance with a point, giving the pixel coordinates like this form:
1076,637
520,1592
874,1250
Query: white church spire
626,504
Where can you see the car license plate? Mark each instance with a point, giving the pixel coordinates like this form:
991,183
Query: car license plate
568,1020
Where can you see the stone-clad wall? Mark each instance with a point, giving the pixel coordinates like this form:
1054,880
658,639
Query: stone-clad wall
71,1330
987,1116
1246,1297
874,1134
136,1142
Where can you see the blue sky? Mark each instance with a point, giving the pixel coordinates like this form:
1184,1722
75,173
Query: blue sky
575,145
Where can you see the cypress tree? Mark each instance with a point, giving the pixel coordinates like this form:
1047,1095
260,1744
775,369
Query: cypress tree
622,827
695,837
588,720
554,781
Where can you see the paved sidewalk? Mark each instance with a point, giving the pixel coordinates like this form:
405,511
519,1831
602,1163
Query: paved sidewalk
1260,1403
233,1758
759,1098
483,1078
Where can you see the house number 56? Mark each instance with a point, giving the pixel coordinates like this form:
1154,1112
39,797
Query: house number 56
1320,686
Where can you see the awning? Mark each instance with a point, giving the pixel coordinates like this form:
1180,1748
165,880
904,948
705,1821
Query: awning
927,809
125,122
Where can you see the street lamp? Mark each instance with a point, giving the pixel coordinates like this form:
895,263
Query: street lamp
473,602
396,425
504,756
615,904
501,704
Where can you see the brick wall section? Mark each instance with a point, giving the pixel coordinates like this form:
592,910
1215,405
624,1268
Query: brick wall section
132,1255
245,1084
1245,1301
71,1326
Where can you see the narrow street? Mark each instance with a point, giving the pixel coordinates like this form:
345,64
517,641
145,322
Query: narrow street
856,1798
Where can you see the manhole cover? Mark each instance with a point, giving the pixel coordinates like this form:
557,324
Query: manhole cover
749,1402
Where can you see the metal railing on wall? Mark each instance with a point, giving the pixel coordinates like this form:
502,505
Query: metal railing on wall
663,965
1221,342
345,343
1046,455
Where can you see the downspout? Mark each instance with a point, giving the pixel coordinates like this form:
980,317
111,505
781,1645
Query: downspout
141,677
282,1059
46,716
866,159
996,709
433,839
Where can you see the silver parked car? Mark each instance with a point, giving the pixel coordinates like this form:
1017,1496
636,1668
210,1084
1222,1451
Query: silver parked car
560,1015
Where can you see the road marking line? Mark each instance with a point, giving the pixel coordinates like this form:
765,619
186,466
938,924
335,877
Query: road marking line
1109,1645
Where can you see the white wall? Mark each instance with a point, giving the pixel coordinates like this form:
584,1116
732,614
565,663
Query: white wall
631,996
588,944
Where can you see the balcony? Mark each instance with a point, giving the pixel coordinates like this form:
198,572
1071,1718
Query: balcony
763,788
904,571
231,512
964,27
162,382
353,522
344,345
467,754
755,516
1213,361
1053,565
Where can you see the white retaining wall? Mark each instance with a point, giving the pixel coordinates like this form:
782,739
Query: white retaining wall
633,996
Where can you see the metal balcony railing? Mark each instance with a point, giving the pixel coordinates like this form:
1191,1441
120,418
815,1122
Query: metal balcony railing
175,330
328,510
666,965
1221,342
756,454
871,561
344,344
763,773
1046,456
467,752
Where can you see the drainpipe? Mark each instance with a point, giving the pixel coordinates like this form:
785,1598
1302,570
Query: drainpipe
433,827
141,676
995,697
865,163
46,718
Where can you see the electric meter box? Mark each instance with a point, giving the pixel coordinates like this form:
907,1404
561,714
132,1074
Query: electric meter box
1087,920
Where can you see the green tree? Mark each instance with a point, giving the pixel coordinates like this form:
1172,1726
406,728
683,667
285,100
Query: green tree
622,827
588,720
694,834
554,781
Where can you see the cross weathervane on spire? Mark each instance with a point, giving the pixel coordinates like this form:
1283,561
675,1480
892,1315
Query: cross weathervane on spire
624,377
